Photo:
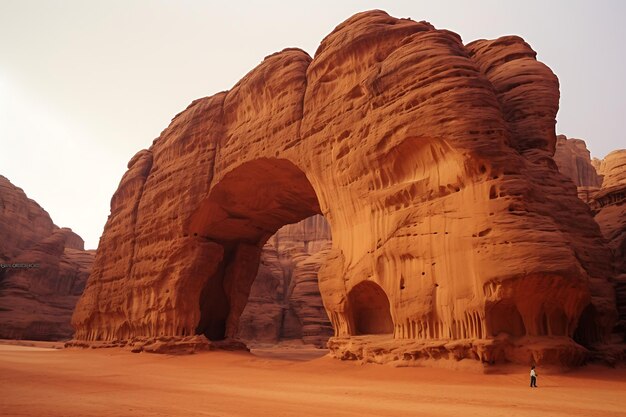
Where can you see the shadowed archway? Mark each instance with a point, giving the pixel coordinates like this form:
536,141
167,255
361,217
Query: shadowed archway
371,309
505,318
587,333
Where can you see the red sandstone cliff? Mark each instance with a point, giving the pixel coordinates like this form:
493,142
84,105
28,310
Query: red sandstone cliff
37,302
285,302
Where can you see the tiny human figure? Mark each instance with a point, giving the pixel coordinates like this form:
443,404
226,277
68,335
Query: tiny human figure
533,377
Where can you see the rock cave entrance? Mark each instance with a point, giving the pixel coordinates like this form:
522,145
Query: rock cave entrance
371,309
244,209
505,318
587,333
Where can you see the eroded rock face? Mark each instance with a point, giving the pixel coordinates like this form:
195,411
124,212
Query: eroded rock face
610,201
602,184
285,302
36,302
609,205
432,163
574,161
612,169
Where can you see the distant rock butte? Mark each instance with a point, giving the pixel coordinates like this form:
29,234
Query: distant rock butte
574,161
453,233
37,303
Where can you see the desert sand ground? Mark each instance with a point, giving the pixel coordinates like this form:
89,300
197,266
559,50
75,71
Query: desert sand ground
38,380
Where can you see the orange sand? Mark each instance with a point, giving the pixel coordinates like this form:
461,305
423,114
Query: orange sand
43,382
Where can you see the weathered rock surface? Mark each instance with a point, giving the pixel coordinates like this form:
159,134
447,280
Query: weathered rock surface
612,169
44,271
574,161
285,302
610,201
172,345
432,163
609,205
374,349
602,184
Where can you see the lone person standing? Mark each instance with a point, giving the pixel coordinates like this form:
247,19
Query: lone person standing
533,377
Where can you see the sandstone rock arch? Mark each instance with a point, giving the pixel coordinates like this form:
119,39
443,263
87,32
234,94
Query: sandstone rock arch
430,159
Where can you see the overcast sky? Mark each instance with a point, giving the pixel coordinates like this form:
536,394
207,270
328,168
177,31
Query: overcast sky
86,84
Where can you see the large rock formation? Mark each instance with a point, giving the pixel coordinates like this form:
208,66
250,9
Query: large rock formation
432,163
44,270
285,302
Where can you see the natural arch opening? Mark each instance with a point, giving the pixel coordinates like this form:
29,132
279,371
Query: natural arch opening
371,310
285,304
243,210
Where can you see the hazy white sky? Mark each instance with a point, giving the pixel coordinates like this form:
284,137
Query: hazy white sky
86,84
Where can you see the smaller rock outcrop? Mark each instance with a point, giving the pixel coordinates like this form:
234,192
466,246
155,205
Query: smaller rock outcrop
43,271
285,301
574,160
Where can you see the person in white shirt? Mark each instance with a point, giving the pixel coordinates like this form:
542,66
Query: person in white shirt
533,377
